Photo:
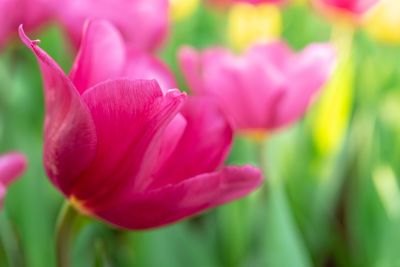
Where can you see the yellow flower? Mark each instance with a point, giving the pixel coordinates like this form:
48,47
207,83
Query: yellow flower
383,23
182,9
249,24
333,110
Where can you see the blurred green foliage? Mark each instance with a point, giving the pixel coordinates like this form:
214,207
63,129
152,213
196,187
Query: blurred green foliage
314,210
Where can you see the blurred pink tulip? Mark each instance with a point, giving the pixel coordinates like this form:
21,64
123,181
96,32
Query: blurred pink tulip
267,88
143,23
104,55
31,13
12,165
121,151
356,7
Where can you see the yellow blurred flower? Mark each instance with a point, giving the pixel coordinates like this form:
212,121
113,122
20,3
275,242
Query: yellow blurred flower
182,9
333,111
249,24
300,2
383,23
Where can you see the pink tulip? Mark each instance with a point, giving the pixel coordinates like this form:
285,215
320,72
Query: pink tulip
143,23
31,13
12,165
267,88
104,55
121,151
356,7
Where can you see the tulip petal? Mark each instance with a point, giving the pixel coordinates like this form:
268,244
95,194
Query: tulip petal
258,87
246,88
204,146
175,202
189,61
141,65
130,118
310,70
215,72
69,133
277,53
171,138
12,165
101,55
358,7
142,23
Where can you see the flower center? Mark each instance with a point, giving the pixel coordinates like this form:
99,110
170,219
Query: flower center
79,205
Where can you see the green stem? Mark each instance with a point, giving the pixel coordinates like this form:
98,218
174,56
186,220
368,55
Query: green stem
342,35
260,152
263,165
9,246
3,254
65,226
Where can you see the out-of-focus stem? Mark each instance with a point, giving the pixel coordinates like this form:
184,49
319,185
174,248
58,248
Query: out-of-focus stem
263,165
342,36
261,157
65,226
9,241
3,254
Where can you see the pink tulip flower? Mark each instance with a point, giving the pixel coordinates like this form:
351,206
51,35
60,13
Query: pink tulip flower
31,13
12,165
124,151
143,23
267,88
355,7
104,55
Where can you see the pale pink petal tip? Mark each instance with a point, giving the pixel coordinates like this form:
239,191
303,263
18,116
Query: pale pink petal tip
175,93
28,42
12,165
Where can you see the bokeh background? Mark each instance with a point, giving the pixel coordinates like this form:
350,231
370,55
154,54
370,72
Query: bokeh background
332,196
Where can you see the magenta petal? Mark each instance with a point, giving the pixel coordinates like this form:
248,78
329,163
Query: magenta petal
130,118
190,64
101,55
358,7
69,133
311,69
141,65
9,14
174,202
217,73
277,53
12,165
268,87
204,145
32,14
171,137
142,23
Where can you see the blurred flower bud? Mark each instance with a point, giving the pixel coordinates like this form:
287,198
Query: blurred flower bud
383,22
